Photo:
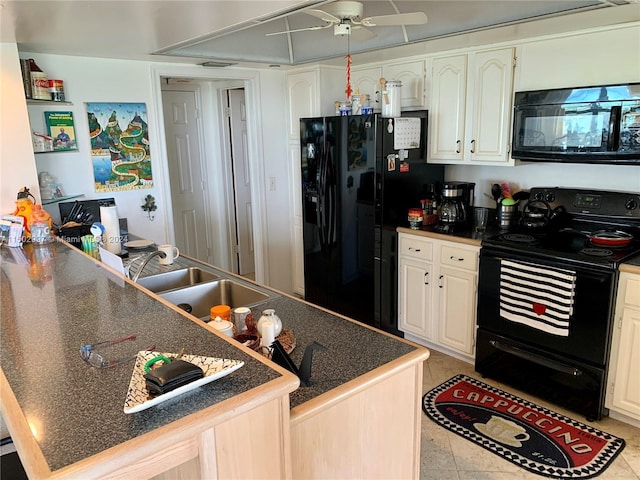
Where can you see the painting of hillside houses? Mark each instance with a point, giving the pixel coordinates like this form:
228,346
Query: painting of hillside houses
120,151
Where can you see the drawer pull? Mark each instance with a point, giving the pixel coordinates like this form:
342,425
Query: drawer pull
456,259
411,249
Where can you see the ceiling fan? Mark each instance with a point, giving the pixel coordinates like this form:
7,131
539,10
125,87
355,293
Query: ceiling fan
346,16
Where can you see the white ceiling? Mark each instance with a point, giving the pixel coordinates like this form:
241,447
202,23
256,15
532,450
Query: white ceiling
235,30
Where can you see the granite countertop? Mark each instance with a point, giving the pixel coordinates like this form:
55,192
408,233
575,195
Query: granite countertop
352,348
79,302
631,266
466,236
55,299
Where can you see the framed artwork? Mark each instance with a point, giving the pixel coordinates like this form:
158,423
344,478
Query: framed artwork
61,130
120,152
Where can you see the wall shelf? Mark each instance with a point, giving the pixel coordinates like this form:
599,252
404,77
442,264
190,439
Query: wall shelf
58,151
61,199
31,101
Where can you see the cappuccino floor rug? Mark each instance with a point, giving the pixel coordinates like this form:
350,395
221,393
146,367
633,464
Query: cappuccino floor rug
530,436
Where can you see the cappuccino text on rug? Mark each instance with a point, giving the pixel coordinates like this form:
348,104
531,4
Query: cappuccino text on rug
530,436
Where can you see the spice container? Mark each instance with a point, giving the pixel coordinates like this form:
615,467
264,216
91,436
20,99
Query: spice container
56,90
415,218
222,311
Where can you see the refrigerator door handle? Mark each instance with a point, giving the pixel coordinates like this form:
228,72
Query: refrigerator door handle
330,192
322,199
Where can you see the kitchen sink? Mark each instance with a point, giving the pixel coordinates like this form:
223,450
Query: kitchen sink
199,299
185,277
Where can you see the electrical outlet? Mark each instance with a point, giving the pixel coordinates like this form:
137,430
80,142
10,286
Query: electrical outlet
272,184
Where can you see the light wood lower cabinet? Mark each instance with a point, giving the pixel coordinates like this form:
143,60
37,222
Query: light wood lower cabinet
368,428
437,283
623,392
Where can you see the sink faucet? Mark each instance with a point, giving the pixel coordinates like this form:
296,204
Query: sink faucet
146,261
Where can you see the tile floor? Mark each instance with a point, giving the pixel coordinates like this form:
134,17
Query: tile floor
447,456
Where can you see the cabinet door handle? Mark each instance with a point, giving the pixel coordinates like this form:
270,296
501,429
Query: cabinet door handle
458,146
473,146
440,281
426,278
456,259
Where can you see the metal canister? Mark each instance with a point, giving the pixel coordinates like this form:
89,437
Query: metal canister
40,86
56,89
507,216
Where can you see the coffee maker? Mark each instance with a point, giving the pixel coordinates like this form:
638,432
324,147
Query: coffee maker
455,206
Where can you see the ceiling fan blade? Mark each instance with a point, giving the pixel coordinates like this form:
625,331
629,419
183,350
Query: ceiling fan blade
299,30
359,33
415,18
321,14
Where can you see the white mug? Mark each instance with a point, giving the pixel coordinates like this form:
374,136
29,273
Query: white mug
171,253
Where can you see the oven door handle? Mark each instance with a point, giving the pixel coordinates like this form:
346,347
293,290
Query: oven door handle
518,352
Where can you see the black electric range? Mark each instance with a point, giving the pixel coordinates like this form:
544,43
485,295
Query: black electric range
564,358
584,213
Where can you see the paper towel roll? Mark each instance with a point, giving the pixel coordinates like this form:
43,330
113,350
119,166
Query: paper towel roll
111,237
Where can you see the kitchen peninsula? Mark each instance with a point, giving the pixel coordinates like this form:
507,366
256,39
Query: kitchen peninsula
66,417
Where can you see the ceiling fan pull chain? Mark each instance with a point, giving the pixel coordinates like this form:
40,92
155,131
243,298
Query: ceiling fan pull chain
348,90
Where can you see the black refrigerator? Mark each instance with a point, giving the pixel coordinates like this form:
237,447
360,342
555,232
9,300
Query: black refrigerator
357,186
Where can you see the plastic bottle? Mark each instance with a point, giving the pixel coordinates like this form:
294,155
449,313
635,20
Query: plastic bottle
40,224
39,82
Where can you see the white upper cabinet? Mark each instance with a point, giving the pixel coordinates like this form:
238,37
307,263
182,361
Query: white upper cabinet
448,106
367,82
303,99
470,108
309,93
411,74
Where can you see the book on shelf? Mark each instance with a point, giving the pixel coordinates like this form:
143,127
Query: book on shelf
61,129
25,67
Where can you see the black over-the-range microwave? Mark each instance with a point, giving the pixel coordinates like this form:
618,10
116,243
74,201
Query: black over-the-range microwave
599,124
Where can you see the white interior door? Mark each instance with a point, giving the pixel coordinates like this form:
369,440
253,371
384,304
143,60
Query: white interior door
241,180
187,173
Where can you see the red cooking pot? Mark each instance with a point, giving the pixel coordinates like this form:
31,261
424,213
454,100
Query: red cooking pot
610,238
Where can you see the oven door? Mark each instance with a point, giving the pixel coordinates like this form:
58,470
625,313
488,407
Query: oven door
589,330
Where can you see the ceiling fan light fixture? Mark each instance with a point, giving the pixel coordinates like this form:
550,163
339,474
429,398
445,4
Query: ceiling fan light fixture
342,29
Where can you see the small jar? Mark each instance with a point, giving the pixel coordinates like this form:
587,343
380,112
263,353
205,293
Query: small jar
222,311
223,326
269,315
239,318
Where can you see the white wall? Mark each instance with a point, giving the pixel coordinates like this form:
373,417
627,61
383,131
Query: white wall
101,80
108,80
17,168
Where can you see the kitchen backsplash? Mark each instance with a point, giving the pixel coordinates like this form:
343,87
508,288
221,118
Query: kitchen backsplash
527,175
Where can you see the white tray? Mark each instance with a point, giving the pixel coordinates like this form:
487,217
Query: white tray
138,397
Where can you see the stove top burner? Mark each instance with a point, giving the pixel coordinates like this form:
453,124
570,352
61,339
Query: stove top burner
596,252
518,238
568,244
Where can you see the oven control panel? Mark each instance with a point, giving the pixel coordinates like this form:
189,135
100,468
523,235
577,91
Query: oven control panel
590,202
